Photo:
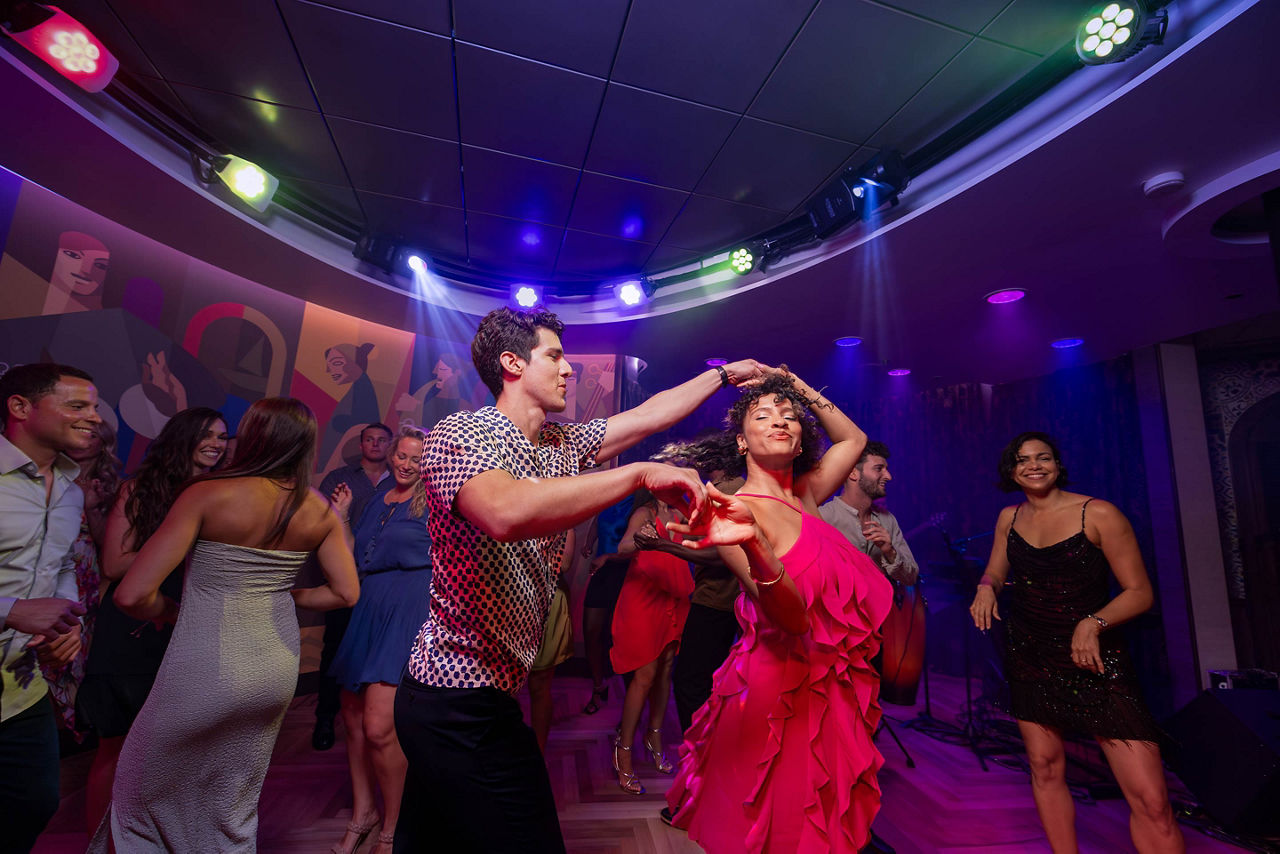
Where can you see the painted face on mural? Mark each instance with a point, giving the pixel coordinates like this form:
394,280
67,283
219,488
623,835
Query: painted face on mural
81,264
339,368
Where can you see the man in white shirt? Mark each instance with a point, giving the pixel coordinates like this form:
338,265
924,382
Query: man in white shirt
868,526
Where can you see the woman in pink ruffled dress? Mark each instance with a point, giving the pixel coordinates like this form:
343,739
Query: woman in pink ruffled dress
781,758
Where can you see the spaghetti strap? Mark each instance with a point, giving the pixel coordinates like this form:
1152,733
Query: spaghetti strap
771,498
1015,516
1082,506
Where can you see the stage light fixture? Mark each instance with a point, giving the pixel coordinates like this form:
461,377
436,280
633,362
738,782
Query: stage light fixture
857,192
848,341
417,264
1066,343
1005,295
526,296
633,293
1116,31
746,258
254,185
61,41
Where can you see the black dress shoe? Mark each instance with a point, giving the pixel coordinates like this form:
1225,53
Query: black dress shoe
877,846
322,737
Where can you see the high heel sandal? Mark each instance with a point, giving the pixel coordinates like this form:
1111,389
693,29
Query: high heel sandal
660,760
386,838
361,831
627,781
599,696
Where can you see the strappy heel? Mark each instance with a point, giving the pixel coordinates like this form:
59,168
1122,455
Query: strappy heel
361,832
599,696
660,760
627,781
386,838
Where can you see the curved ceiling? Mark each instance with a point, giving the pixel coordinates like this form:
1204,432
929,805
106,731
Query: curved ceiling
1049,201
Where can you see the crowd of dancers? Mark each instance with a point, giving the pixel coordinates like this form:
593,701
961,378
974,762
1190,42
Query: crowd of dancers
158,612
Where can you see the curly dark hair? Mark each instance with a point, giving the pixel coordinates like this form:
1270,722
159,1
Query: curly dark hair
165,469
873,449
718,451
276,439
1009,459
505,330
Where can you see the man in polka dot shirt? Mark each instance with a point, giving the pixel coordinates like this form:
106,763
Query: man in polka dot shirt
503,487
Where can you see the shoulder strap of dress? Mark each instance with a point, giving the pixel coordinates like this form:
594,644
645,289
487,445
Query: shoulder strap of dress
1015,516
1082,506
771,498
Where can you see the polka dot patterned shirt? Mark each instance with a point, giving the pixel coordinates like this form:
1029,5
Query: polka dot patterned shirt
489,600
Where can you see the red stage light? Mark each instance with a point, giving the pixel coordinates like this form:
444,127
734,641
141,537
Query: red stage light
68,47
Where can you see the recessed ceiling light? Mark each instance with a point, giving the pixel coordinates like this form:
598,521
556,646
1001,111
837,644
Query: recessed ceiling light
899,372
1066,343
1005,295
715,363
848,341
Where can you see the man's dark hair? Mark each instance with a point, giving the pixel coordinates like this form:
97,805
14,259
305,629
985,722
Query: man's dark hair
377,425
873,449
505,330
1009,459
33,382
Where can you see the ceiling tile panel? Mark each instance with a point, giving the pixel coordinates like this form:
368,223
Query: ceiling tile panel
648,137
159,91
836,81
339,200
517,187
375,72
399,163
528,108
283,140
710,57
668,257
429,15
626,210
772,166
982,70
970,16
708,225
601,256
511,244
236,46
569,33
441,231
1042,26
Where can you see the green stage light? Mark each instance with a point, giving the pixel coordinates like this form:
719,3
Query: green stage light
1116,31
248,181
743,260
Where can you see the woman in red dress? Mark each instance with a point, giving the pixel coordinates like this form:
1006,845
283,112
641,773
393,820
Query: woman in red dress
647,623
781,758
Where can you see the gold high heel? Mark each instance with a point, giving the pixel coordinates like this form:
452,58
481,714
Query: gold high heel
660,760
627,781
361,832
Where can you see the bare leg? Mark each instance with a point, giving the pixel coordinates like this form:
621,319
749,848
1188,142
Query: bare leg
1137,767
593,641
632,705
540,709
363,808
102,775
389,763
1048,762
659,693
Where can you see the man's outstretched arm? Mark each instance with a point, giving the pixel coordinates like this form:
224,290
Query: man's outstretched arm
667,407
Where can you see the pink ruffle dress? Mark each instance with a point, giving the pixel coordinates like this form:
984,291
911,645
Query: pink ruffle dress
780,758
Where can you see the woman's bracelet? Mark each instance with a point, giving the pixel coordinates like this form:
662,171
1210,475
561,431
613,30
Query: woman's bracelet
1102,624
724,376
775,580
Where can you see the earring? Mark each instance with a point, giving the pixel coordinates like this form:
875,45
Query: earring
742,450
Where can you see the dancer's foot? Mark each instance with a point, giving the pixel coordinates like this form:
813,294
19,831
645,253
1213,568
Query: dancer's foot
355,835
599,696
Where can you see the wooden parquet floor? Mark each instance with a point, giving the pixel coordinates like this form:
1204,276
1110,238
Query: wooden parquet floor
946,803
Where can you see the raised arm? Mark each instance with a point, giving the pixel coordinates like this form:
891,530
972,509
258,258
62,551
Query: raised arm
138,594
508,509
984,605
847,442
667,407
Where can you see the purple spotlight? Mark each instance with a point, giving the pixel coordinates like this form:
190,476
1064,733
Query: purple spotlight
1005,295
848,341
526,296
715,363
899,372
530,238
632,226
1066,343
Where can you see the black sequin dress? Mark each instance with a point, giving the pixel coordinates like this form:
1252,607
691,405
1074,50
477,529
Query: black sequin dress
1050,590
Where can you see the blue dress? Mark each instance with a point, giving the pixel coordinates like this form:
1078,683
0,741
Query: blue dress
393,554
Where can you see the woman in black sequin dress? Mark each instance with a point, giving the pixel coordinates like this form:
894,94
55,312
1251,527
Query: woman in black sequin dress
1067,668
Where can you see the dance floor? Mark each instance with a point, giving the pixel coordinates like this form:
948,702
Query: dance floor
946,803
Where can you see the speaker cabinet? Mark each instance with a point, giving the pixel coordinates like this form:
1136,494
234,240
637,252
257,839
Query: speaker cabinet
1227,752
